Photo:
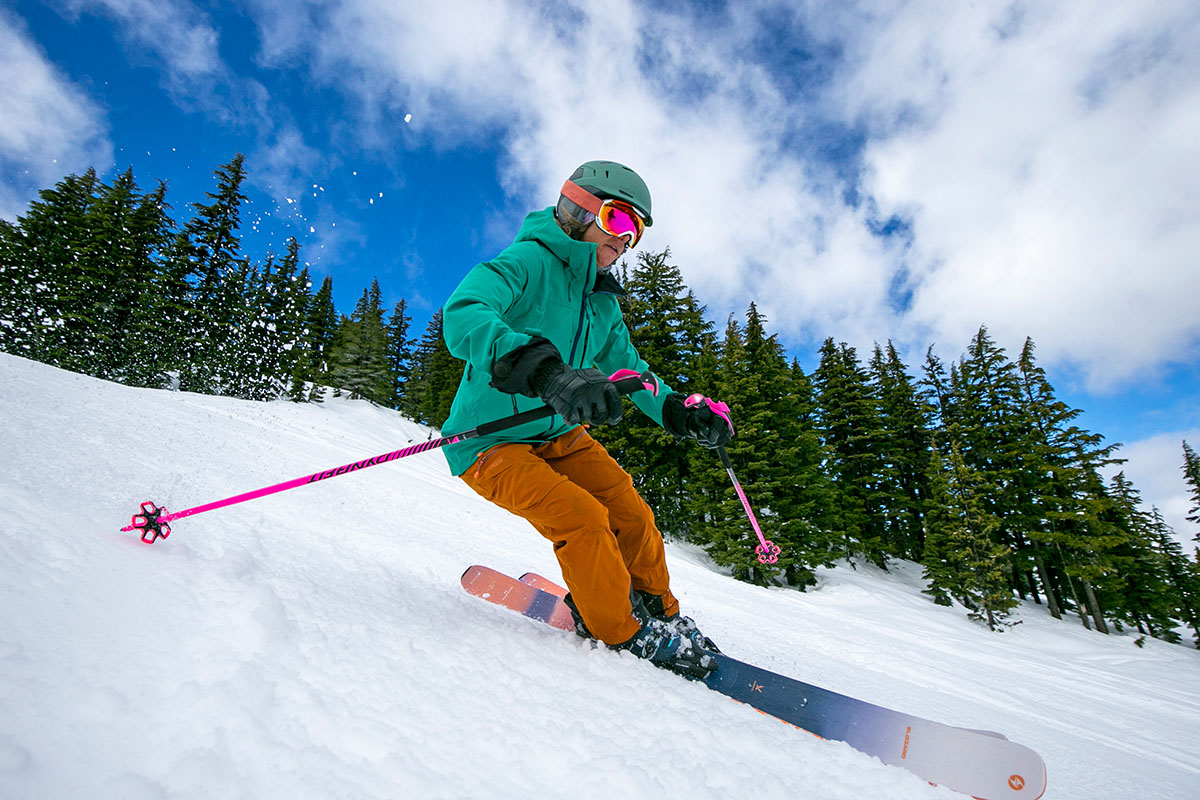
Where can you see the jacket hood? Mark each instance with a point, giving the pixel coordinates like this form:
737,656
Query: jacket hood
542,227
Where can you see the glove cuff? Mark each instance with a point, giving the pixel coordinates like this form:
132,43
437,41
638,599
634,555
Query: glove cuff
526,369
674,415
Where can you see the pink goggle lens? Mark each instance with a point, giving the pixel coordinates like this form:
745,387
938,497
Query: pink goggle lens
620,222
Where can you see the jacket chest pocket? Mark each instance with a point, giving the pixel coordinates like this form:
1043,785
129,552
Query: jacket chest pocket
556,321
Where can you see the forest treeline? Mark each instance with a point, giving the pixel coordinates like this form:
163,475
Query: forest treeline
973,469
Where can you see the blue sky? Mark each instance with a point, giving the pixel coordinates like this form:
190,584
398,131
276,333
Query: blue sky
868,170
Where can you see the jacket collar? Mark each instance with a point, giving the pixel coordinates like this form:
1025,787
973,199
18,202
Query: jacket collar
607,284
580,257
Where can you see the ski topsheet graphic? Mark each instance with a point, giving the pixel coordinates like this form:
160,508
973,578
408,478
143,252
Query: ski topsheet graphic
977,763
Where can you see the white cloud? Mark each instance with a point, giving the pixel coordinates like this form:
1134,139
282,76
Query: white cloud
1045,155
49,127
181,37
175,31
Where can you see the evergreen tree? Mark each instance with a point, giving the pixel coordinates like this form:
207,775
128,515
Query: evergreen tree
851,427
994,428
720,523
302,380
217,273
1059,496
1182,574
905,452
40,320
18,293
776,454
1191,474
989,424
244,349
936,389
1147,598
965,561
268,330
782,453
359,360
766,447
1043,487
801,494
287,303
321,322
78,274
400,353
144,308
435,379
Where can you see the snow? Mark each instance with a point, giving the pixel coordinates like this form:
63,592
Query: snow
316,643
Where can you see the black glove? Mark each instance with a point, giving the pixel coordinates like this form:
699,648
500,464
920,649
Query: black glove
697,421
580,395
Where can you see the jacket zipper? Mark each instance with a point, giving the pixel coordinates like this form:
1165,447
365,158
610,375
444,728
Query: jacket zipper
578,329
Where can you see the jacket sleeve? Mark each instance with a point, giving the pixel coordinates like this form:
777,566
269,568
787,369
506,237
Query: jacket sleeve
473,319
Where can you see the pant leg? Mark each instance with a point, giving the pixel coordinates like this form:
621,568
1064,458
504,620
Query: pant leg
585,462
519,480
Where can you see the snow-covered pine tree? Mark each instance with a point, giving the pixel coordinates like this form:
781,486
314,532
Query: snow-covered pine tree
45,272
216,271
320,322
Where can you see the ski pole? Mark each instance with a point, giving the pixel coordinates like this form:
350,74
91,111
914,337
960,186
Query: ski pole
768,551
153,521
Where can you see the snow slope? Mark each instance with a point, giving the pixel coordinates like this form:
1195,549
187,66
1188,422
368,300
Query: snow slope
316,644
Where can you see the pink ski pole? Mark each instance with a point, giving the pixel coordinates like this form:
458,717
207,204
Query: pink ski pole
153,521
768,552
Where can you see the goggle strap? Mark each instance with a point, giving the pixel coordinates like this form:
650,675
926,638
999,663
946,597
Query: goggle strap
581,197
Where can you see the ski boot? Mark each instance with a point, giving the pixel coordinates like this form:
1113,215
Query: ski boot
684,626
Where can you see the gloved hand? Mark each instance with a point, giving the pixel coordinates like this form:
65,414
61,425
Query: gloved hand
698,418
581,395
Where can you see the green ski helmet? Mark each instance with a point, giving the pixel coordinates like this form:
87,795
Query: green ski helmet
605,179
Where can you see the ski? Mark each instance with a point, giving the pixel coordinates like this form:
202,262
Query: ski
986,767
550,587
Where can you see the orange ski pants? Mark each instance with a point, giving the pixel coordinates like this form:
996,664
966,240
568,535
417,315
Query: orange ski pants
577,496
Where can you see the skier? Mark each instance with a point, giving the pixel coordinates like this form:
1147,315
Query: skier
540,324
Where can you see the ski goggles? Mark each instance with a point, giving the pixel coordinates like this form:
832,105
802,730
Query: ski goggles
615,217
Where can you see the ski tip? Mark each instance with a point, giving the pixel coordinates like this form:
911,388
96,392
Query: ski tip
472,572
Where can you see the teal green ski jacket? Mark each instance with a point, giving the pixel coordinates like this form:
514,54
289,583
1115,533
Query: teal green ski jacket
545,284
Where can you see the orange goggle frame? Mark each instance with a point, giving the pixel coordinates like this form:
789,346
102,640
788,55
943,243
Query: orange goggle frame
615,217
